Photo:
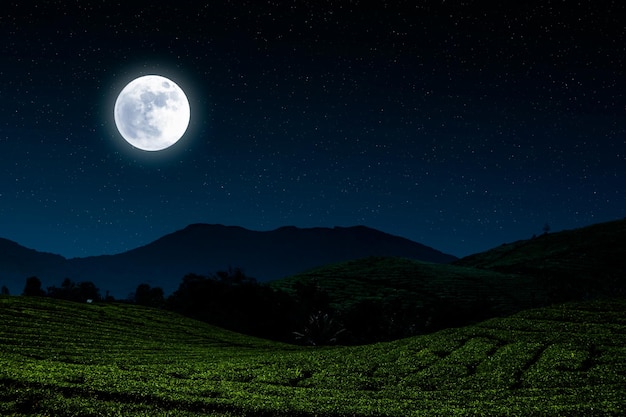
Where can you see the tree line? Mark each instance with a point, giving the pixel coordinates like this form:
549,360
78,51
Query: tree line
234,301
69,290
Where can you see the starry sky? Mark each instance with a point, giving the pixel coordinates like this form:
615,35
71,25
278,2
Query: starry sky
450,123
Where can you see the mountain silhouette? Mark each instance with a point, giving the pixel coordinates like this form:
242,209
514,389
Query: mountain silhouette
204,249
18,263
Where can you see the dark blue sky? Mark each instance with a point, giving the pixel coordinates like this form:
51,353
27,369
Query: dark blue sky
453,125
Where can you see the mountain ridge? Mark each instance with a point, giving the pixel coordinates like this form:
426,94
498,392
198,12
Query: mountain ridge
206,248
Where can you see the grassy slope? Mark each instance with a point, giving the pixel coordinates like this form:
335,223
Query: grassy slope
418,283
60,358
561,266
593,252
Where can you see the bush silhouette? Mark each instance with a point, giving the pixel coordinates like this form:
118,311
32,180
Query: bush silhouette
149,296
71,291
33,287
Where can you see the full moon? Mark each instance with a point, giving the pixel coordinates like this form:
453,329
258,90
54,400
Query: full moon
152,113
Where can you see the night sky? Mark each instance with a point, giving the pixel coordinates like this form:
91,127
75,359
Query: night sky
458,126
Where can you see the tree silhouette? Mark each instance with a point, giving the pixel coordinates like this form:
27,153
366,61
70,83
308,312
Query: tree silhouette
87,290
33,287
234,301
148,296
71,291
5,290
311,297
234,276
66,292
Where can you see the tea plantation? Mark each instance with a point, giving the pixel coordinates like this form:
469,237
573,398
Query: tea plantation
419,283
67,359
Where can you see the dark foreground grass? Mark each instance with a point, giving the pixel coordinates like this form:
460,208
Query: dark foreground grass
64,359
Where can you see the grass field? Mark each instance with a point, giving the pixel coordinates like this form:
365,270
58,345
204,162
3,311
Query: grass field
419,283
67,359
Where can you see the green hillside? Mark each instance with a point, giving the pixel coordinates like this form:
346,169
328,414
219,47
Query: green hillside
586,260
557,267
419,283
67,359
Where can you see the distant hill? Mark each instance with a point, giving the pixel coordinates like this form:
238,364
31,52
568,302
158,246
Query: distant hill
568,265
576,263
571,265
393,281
205,249
18,263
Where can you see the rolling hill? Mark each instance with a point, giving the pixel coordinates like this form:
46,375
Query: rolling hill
63,358
418,283
583,262
571,265
66,359
205,249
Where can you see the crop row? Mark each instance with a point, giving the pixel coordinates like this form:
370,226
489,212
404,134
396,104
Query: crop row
52,362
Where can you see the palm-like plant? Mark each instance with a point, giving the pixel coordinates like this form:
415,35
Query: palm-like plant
321,329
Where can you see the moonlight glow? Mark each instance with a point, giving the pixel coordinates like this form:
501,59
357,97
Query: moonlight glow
152,113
